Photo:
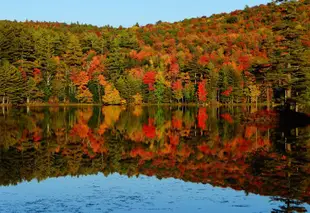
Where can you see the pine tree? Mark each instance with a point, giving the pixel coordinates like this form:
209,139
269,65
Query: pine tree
12,85
122,86
72,59
212,83
5,43
189,92
73,53
290,68
94,41
116,65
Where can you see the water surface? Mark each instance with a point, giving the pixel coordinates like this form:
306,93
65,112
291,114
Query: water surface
150,159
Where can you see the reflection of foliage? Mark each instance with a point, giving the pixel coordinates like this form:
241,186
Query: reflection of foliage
289,206
9,133
197,145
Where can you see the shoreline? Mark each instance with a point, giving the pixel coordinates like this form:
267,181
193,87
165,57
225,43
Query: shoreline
130,105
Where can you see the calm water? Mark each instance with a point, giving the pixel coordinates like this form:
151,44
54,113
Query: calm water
150,159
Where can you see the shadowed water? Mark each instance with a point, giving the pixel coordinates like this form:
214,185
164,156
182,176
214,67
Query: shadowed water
150,159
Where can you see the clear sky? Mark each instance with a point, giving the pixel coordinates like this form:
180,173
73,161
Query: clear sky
117,12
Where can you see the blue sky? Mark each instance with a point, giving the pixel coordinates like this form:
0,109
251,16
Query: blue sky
117,12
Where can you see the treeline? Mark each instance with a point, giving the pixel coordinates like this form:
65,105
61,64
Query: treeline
259,54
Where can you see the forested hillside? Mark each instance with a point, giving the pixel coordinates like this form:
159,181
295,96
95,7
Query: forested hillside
259,54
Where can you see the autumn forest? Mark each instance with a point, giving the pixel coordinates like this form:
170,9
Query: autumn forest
256,55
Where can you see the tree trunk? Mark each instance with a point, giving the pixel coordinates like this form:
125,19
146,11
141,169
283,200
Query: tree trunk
3,100
289,79
99,93
268,98
48,128
289,93
256,138
28,100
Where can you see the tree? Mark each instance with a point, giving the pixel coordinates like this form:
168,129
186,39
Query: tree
72,60
149,79
290,67
112,96
202,93
177,89
73,52
33,92
254,93
122,86
267,45
81,79
138,100
189,92
10,77
212,82
94,41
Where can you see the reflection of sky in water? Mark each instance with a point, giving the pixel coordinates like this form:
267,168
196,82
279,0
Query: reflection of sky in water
116,193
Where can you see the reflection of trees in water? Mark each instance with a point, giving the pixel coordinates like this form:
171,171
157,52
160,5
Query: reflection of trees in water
288,206
198,145
292,142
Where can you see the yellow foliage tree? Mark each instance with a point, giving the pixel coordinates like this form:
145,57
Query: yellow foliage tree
138,99
254,93
84,95
112,96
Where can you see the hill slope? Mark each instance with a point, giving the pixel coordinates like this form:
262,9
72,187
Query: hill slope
259,54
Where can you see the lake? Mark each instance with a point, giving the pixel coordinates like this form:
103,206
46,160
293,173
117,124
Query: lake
150,159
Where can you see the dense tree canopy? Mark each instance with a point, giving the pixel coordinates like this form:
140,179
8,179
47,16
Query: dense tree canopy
258,54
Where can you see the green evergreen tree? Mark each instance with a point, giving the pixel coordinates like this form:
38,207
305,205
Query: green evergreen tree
124,89
189,93
290,68
72,60
212,83
12,85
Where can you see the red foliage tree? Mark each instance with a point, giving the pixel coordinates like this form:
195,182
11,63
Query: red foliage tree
149,79
80,78
174,68
177,85
202,92
244,63
204,60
